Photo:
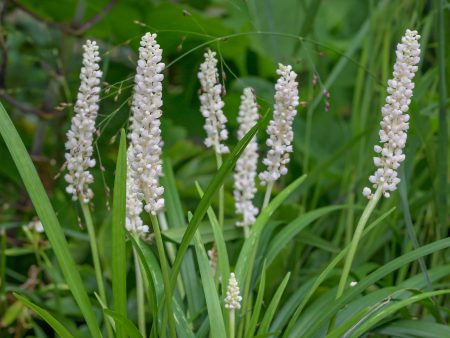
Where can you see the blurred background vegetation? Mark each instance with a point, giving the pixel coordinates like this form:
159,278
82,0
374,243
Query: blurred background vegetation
343,52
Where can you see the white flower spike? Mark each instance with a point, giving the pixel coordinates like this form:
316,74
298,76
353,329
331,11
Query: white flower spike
79,147
233,298
145,157
280,130
211,104
245,172
134,207
394,124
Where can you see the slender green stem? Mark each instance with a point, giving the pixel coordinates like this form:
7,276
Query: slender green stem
171,251
221,193
165,274
96,259
169,246
267,195
139,295
355,241
231,323
246,231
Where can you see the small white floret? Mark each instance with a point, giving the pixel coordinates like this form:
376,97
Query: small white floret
233,298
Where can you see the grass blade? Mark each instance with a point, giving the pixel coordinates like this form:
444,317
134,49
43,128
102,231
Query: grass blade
119,264
442,181
373,320
176,219
212,299
45,315
130,329
153,276
251,244
48,218
294,228
268,316
416,328
373,278
258,304
222,254
210,192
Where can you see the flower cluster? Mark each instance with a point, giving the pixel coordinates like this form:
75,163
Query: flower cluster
233,298
212,255
36,226
394,124
133,221
280,127
145,155
79,148
211,104
245,172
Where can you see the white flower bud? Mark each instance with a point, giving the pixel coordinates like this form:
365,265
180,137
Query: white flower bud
280,130
245,171
79,148
211,104
233,298
36,226
134,208
146,143
394,123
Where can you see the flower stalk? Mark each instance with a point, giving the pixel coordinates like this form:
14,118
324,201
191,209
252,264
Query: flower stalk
280,130
394,126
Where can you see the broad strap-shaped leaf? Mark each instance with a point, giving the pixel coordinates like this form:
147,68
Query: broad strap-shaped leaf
119,264
270,312
129,328
45,315
48,218
212,299
177,223
223,264
375,276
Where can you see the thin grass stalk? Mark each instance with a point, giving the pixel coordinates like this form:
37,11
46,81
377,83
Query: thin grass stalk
171,251
96,259
139,294
165,274
221,193
267,195
247,302
356,239
232,323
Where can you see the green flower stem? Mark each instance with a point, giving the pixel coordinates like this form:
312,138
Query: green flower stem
169,246
267,195
165,274
221,192
246,231
355,241
139,294
96,259
171,251
232,323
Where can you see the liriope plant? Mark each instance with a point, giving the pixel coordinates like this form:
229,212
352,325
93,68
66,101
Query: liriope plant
233,291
